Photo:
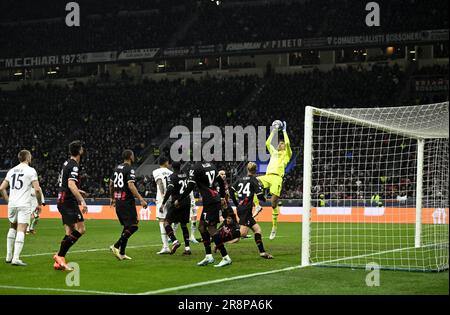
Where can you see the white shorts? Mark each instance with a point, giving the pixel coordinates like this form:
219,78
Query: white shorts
19,215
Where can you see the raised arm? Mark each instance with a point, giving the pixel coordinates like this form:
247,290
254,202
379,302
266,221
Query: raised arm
287,142
269,145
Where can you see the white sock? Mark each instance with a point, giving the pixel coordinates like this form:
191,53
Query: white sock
164,238
193,229
209,256
175,227
18,245
227,257
10,243
187,248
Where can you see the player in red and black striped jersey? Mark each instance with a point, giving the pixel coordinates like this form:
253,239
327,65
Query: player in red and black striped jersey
212,190
245,189
69,197
123,192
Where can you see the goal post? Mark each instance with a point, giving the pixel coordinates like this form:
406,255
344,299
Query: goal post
375,187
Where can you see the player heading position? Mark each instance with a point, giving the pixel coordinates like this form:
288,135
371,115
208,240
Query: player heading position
69,197
279,159
160,175
212,190
176,184
123,192
20,180
246,189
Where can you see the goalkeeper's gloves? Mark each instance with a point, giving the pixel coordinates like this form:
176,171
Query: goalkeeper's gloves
284,126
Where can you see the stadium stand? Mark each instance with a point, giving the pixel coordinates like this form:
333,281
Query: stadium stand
110,26
111,117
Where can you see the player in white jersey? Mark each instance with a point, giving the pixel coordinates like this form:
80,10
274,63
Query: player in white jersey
160,175
20,180
35,212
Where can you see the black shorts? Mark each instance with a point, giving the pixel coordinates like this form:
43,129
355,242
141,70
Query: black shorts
211,213
246,217
126,213
179,215
70,213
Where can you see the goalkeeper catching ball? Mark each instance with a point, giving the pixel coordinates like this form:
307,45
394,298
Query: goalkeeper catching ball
273,180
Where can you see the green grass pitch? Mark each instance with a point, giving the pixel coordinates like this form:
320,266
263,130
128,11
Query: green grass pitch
101,273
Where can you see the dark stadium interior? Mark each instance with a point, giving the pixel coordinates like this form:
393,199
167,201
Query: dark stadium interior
111,114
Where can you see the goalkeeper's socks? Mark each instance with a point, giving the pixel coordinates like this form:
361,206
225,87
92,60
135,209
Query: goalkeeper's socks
275,213
68,242
170,233
259,243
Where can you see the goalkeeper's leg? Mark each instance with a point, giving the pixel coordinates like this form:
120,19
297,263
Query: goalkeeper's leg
265,184
275,213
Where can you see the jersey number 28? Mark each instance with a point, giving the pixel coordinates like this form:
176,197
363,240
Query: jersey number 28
118,180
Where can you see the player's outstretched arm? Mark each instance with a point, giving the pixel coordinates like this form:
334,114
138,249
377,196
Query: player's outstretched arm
136,194
269,145
287,142
3,187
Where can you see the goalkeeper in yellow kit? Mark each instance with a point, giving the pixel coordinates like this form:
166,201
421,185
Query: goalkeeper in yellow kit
279,159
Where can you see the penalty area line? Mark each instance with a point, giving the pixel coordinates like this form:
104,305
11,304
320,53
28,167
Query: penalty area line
85,250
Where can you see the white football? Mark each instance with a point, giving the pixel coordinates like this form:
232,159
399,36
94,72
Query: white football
277,124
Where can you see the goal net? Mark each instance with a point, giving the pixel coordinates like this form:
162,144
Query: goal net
376,187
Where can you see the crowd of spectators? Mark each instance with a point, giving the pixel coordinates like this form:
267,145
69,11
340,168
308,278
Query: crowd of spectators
26,10
111,117
118,25
105,33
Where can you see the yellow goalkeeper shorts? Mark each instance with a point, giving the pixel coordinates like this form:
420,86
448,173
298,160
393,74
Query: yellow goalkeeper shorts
273,182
